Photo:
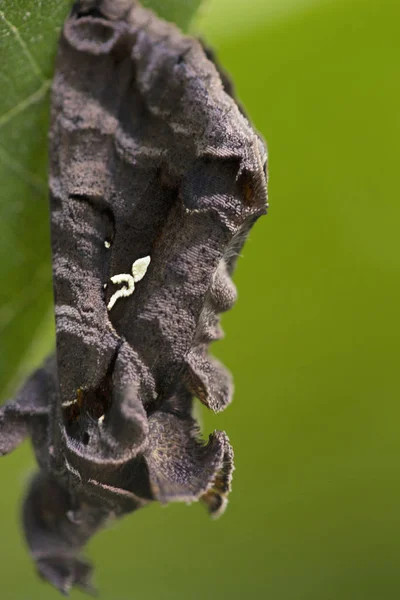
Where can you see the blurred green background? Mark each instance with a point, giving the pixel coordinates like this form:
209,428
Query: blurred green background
312,342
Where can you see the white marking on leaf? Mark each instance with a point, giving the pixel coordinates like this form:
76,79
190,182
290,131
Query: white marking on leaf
139,269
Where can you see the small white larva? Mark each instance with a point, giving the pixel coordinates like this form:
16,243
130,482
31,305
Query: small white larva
139,269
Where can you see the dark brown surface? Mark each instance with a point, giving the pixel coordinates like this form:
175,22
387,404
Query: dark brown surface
149,153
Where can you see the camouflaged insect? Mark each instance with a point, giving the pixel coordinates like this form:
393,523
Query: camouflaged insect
156,178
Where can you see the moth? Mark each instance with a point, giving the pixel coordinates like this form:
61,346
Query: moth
156,178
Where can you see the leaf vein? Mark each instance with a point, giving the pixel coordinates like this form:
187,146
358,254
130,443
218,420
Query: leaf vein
24,47
29,178
24,104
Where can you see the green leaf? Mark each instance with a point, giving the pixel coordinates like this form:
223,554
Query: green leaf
29,30
28,37
180,12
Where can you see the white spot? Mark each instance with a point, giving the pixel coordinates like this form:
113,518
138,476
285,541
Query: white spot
104,286
100,420
75,516
139,269
107,244
69,403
